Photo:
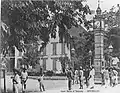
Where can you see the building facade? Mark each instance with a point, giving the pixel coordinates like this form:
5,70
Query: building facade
13,59
51,54
49,58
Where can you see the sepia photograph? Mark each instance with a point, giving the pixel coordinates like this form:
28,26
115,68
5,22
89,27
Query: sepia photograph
60,46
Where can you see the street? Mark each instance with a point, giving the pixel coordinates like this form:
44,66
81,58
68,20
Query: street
60,86
32,84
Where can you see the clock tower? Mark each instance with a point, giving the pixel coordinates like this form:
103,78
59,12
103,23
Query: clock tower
98,36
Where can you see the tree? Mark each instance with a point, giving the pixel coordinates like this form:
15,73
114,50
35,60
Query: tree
64,60
31,56
28,21
113,32
111,17
83,44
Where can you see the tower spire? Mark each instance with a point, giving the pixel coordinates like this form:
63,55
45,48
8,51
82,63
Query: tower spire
98,3
98,9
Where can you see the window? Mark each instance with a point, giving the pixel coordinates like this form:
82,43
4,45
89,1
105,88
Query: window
44,63
54,64
20,54
54,48
19,62
62,48
44,51
12,52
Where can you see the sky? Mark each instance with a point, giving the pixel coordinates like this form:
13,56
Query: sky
104,4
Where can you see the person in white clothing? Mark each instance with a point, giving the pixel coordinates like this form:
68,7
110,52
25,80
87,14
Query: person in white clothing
41,85
76,76
24,77
115,77
81,77
102,75
15,82
106,75
91,78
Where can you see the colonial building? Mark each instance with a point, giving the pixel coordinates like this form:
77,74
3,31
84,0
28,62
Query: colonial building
51,54
54,50
12,59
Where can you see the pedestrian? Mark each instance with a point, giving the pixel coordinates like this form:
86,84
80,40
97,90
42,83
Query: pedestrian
86,74
41,70
102,75
41,85
15,81
76,76
115,77
81,78
73,77
69,77
111,76
24,78
91,77
106,74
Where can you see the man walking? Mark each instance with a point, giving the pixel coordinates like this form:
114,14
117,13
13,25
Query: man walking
69,76
24,77
103,75
111,76
80,74
91,78
115,77
106,77
86,74
41,85
76,76
73,76
15,81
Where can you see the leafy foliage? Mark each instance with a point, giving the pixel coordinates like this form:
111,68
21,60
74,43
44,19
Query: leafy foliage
29,20
64,60
111,17
83,45
113,32
31,56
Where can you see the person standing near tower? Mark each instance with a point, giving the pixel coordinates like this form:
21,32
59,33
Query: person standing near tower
69,76
80,74
91,77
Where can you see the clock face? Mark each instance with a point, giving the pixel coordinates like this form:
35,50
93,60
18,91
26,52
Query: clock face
97,24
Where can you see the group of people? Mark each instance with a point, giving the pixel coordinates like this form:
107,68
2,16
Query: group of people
86,77
79,76
23,77
109,77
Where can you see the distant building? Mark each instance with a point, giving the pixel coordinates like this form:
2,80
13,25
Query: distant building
13,59
51,54
18,58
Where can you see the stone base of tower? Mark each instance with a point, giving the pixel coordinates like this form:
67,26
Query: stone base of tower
98,79
97,66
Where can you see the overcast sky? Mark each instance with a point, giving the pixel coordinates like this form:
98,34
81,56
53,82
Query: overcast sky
105,4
